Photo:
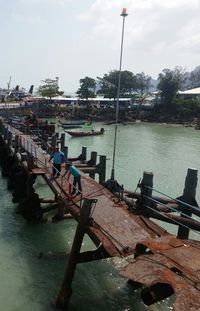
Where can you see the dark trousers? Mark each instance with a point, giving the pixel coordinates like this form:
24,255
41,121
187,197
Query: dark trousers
56,169
77,180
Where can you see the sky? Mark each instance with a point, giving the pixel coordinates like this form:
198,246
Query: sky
72,39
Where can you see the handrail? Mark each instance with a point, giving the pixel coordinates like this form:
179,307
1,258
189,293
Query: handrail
28,145
171,208
177,200
173,220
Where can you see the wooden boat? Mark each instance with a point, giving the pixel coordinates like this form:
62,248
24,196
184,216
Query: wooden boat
82,133
71,123
72,126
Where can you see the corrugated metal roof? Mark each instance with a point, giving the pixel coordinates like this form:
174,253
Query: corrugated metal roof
195,91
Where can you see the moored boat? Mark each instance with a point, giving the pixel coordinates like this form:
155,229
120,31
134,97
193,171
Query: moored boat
83,133
72,122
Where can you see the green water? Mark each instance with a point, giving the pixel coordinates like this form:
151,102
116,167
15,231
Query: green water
29,283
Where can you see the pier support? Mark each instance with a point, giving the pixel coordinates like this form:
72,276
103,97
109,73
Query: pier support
92,162
101,169
66,291
84,154
146,191
188,197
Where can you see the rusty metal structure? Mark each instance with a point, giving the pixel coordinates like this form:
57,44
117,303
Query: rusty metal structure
121,224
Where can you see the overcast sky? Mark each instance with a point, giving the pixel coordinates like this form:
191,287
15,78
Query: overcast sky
72,39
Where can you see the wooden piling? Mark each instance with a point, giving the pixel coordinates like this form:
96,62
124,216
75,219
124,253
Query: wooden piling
188,197
92,162
84,154
66,291
146,191
62,141
9,137
93,159
5,133
54,140
65,150
101,168
16,143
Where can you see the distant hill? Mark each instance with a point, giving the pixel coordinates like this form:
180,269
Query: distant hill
154,84
196,70
192,80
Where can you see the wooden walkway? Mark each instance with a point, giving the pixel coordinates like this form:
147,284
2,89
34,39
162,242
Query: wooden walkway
160,258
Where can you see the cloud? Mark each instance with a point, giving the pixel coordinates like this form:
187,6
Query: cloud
189,36
41,2
28,19
158,34
164,19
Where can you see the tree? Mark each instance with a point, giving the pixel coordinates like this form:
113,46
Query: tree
87,88
142,83
127,85
168,85
181,76
49,88
194,79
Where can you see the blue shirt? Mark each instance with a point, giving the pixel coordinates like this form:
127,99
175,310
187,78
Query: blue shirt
58,157
74,171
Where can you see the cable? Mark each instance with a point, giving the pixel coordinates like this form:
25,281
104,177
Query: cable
177,200
172,219
173,209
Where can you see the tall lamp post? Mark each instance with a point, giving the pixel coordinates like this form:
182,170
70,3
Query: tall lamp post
123,14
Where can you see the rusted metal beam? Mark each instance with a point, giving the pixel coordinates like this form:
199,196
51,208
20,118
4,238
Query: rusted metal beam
66,291
99,253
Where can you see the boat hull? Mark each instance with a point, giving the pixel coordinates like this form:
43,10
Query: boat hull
83,134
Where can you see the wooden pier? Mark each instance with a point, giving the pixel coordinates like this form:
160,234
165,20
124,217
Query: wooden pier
160,263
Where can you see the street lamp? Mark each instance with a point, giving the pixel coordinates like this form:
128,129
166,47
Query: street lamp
123,14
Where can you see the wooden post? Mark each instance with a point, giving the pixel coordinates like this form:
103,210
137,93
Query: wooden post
92,162
84,154
30,162
65,150
9,138
16,143
102,169
62,141
1,125
188,197
66,291
93,159
5,133
146,191
54,140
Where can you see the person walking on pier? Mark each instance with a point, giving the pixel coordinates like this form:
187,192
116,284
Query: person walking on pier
58,158
71,169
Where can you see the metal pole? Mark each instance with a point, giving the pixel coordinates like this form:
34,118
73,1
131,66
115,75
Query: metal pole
123,14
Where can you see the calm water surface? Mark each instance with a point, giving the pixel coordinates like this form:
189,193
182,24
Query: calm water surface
29,283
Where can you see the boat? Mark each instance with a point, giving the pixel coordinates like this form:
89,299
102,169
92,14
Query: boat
73,122
72,126
83,133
